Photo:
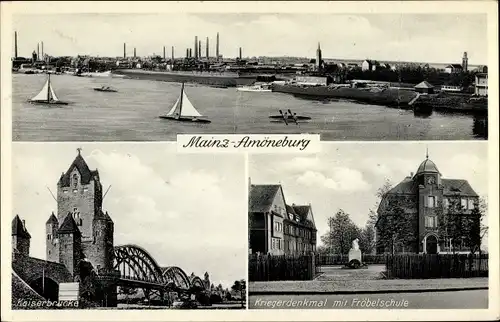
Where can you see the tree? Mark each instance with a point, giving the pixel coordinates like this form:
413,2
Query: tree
343,231
367,239
372,215
453,223
396,227
126,290
240,286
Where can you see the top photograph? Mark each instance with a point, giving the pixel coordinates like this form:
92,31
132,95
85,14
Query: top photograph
346,77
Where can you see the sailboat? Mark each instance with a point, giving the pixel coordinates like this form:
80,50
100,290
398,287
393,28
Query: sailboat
47,95
184,111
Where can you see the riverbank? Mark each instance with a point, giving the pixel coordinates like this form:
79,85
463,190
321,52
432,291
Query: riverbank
206,78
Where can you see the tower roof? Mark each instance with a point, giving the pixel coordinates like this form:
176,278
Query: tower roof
68,226
82,167
18,228
427,166
52,219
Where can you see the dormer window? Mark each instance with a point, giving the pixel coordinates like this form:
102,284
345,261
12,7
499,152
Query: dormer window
75,180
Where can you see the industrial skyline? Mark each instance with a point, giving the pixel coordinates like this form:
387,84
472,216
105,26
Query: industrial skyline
285,35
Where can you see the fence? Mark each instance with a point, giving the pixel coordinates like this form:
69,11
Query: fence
407,266
343,259
281,268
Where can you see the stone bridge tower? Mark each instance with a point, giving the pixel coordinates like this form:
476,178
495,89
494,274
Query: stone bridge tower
79,195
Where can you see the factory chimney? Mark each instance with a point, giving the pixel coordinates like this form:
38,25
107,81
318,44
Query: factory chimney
124,50
465,62
134,53
190,52
15,44
172,55
187,52
240,53
217,48
43,57
207,50
195,47
164,54
37,51
199,49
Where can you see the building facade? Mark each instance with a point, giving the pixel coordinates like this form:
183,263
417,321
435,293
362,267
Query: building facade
277,228
426,202
481,84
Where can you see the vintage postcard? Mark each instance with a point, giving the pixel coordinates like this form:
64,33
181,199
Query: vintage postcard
265,160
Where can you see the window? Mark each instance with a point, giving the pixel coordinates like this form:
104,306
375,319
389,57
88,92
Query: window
75,180
463,202
49,237
471,204
430,221
431,201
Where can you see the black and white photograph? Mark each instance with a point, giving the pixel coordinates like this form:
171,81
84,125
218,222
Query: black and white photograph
370,226
149,77
127,227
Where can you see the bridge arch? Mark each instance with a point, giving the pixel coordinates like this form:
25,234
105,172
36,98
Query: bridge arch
177,276
135,262
196,281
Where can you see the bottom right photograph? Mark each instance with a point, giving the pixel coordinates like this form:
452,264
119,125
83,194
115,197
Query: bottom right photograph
370,226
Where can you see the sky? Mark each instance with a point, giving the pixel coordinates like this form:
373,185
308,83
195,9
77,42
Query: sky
347,176
432,38
185,210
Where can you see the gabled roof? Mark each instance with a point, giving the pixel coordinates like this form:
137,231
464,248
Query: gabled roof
100,215
303,212
52,219
454,66
424,84
82,167
68,226
18,228
457,186
405,187
261,197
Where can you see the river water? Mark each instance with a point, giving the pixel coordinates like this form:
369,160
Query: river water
132,114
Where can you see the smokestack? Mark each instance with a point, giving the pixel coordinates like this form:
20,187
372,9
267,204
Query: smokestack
37,51
172,55
217,48
164,54
195,47
134,53
124,50
42,51
199,49
240,53
15,44
207,51
190,52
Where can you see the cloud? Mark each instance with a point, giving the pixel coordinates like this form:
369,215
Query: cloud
340,179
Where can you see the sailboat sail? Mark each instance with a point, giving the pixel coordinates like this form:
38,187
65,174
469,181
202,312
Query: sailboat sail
188,108
44,93
175,108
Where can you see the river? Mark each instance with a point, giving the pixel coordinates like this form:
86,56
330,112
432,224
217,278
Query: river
131,114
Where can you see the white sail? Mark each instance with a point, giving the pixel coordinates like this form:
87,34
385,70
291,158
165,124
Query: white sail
175,108
53,94
44,93
188,108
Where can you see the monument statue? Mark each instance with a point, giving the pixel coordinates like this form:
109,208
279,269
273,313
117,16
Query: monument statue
355,244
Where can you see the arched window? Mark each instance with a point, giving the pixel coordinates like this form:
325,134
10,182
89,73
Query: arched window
75,180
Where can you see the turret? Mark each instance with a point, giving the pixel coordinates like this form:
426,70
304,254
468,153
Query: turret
70,251
20,236
100,254
52,242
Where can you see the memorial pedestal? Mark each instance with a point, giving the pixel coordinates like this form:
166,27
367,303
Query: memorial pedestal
354,258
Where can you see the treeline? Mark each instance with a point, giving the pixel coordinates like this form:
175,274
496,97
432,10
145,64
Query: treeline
412,75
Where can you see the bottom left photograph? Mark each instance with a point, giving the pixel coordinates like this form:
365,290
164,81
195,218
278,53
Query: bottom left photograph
127,226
